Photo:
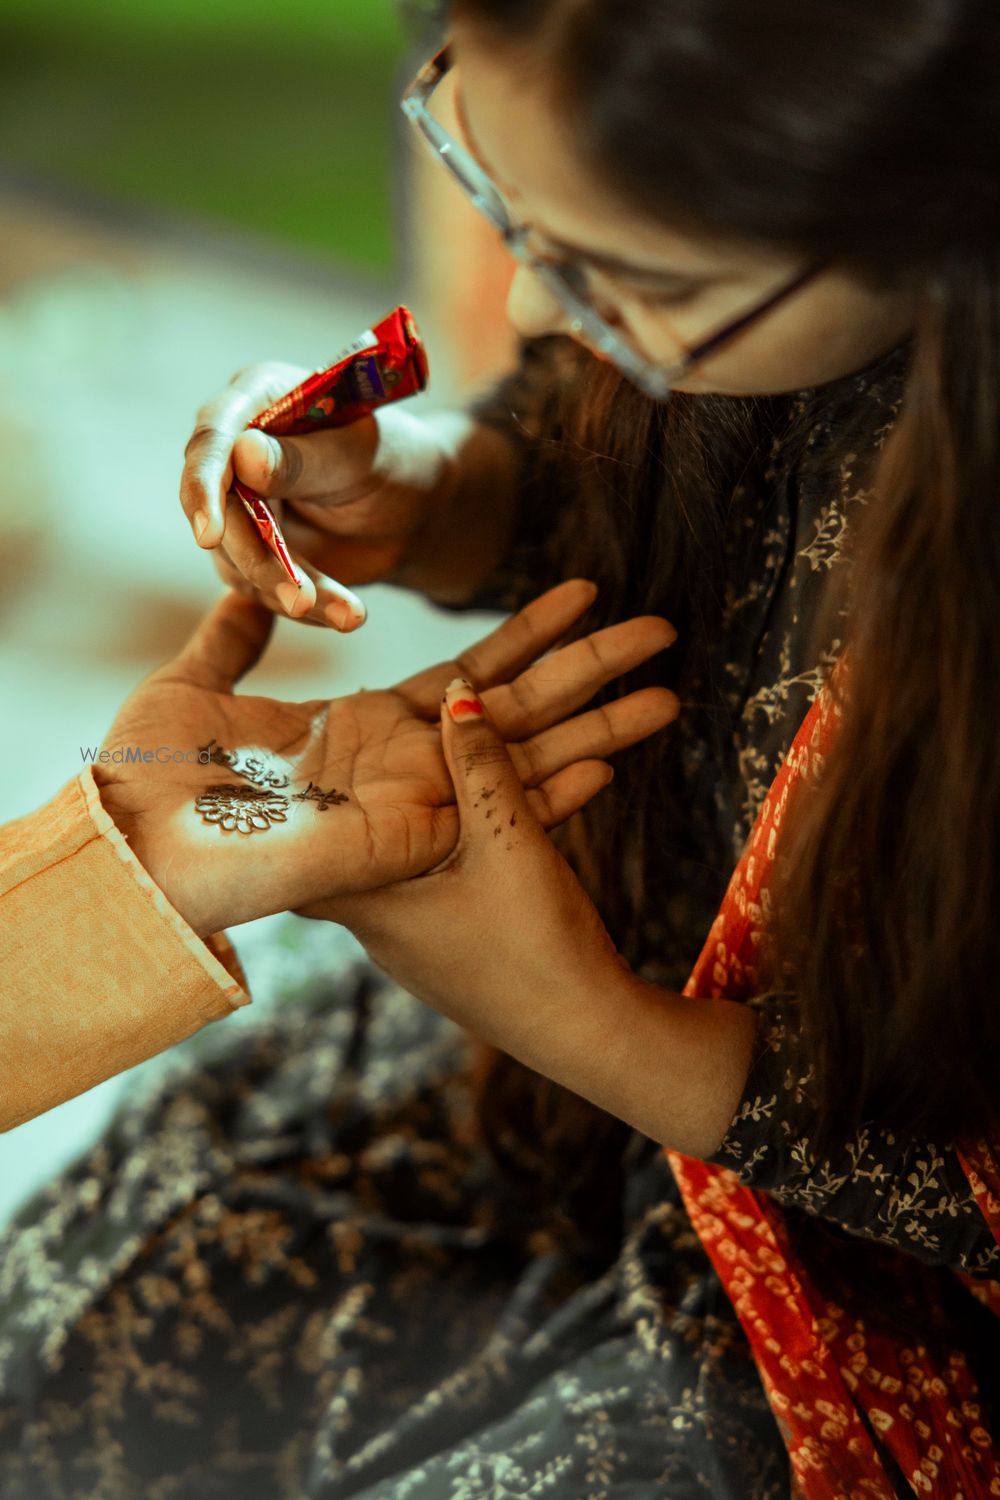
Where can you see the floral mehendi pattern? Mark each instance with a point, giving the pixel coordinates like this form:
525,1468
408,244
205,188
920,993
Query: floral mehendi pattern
241,809
254,808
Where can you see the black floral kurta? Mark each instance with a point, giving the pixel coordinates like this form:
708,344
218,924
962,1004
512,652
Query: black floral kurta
785,539
290,1271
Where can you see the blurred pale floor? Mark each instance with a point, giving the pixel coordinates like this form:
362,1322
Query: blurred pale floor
109,341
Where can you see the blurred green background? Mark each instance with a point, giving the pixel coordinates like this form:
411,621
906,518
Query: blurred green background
271,117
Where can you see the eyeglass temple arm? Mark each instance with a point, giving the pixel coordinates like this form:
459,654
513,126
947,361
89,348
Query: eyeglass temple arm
723,335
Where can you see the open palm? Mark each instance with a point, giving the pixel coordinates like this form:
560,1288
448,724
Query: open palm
301,801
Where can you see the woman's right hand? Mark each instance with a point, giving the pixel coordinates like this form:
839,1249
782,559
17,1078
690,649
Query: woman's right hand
350,500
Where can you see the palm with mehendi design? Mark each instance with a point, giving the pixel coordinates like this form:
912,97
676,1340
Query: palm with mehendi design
382,748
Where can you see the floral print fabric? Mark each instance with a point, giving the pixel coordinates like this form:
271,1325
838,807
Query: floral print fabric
859,1400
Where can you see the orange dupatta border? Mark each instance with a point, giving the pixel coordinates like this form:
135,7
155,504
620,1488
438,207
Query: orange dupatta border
831,1381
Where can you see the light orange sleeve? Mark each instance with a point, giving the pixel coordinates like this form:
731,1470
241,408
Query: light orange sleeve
97,969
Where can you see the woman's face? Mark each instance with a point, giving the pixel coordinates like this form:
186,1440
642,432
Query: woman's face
663,289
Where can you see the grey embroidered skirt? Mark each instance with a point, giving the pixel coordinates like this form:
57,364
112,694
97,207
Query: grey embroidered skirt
289,1271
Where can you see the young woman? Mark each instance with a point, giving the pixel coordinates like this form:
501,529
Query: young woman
371,1257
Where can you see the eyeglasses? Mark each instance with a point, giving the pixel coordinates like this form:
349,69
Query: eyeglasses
564,278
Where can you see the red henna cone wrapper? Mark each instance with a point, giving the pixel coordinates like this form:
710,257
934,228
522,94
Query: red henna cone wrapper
387,363
264,519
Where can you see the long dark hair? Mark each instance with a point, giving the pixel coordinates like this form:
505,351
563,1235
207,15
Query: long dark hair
867,131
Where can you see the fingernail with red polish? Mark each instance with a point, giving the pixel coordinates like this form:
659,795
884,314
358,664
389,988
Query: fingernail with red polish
462,700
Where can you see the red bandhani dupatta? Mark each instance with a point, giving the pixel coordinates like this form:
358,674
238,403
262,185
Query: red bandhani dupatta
838,1385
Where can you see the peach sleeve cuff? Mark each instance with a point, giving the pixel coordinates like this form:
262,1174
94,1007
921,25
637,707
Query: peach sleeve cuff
99,970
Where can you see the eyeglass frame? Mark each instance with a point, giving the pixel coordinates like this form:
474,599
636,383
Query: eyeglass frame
555,272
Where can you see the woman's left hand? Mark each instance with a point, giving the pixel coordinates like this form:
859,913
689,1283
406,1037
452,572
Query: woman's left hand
500,936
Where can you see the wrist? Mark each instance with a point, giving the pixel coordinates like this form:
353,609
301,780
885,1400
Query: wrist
672,1067
425,561
133,825
469,515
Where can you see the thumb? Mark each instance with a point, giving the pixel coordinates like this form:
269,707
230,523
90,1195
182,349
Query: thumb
227,643
491,800
315,466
